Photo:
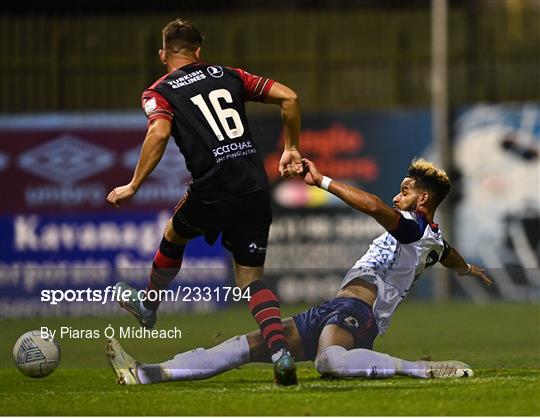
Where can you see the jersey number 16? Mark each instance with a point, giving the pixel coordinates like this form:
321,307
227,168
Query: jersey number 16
236,128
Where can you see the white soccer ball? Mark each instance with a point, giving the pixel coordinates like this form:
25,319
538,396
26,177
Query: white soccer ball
35,356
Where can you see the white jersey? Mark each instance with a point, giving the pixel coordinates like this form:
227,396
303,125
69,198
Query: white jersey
395,260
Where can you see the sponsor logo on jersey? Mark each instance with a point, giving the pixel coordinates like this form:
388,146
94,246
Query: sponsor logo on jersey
352,322
187,79
235,146
215,71
254,248
150,105
233,150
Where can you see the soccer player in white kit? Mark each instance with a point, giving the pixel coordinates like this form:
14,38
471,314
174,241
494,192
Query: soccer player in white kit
338,335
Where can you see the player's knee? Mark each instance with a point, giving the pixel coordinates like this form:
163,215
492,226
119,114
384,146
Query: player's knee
250,257
172,235
331,361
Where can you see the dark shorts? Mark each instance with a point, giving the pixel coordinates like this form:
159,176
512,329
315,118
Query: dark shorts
351,314
243,221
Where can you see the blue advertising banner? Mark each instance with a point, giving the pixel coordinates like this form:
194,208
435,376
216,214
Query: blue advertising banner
44,255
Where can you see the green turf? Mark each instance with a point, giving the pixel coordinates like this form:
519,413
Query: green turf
500,341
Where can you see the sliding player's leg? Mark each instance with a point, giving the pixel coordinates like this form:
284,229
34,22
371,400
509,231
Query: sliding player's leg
338,357
200,363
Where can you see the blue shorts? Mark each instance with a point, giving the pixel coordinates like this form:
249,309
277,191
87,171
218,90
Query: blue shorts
351,314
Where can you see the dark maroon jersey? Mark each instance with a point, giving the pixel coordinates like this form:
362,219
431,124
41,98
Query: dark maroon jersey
206,106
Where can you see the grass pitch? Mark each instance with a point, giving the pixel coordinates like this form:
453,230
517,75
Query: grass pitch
500,341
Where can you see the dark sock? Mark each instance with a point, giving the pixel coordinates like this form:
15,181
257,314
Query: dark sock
165,267
265,309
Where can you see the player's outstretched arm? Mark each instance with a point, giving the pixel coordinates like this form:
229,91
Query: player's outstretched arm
454,261
291,160
359,199
152,150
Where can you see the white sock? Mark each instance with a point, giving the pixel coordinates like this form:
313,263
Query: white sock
339,362
199,363
411,368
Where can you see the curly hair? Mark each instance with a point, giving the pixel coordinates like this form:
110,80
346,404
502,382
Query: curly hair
430,178
181,34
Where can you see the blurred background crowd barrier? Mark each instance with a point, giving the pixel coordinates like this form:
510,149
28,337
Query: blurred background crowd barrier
71,129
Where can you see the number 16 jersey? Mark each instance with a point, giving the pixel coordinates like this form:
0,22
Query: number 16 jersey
205,104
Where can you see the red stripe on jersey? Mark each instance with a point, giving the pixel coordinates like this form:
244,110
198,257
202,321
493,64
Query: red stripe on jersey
256,87
156,106
259,91
252,83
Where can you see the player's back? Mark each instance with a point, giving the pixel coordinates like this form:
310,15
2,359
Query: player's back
206,105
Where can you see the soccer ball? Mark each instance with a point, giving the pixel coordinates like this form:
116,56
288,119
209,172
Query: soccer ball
35,356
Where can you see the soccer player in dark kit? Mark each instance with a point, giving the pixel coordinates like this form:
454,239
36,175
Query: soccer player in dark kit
202,107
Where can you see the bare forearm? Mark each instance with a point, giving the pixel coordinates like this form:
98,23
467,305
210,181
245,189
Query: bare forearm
287,100
152,150
290,115
365,202
455,262
354,197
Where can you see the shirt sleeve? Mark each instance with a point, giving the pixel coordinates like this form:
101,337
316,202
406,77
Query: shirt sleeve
256,87
410,227
155,106
446,250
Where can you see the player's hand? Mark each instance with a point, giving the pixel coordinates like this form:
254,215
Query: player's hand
312,176
121,193
479,273
290,163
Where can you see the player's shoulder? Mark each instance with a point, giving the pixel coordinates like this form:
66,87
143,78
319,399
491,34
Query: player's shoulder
218,71
411,227
156,83
236,70
242,74
424,226
414,215
173,73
